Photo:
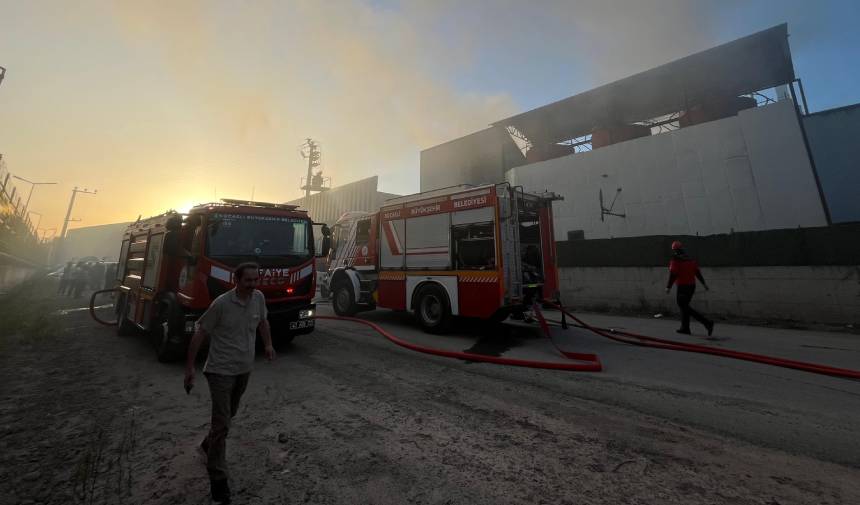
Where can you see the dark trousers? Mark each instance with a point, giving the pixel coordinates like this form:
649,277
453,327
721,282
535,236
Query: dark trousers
684,295
78,287
226,391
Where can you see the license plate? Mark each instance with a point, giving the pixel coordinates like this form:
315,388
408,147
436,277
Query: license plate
297,325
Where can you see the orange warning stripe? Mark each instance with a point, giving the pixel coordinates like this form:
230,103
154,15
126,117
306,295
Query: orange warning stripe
462,275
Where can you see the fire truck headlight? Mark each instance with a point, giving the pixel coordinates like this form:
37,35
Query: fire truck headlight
305,314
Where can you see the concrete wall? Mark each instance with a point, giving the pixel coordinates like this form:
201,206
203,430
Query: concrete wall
833,139
328,206
13,271
743,173
11,275
819,294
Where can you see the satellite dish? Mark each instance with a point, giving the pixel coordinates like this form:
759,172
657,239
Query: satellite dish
608,212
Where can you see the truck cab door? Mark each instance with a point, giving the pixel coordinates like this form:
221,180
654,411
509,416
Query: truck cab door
188,274
363,248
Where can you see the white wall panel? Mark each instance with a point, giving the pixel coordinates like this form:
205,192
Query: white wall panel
714,176
698,214
721,206
781,167
655,219
748,172
739,172
636,220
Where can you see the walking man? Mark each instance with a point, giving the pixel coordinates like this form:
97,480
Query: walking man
230,324
684,271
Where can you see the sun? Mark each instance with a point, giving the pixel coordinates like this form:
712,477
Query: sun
185,206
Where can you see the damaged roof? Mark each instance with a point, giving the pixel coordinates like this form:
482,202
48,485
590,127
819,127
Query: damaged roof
756,62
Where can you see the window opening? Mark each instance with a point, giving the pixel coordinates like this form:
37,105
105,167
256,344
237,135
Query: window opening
153,261
474,246
123,256
362,231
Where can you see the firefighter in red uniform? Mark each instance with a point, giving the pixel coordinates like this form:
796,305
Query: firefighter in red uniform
176,253
684,271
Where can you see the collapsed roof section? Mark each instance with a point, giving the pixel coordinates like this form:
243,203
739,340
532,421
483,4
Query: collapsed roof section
705,86
746,65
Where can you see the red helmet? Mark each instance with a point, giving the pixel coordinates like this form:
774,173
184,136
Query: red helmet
677,245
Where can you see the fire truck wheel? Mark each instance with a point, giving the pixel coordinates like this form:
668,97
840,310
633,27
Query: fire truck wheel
124,327
344,299
500,316
432,308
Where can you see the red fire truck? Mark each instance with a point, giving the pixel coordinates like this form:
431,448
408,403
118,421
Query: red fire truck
166,281
485,252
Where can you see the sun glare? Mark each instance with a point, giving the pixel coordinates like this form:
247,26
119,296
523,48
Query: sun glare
185,206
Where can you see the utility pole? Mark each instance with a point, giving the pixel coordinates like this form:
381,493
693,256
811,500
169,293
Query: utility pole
32,187
66,221
72,204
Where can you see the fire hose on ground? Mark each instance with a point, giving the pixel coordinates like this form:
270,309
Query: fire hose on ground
591,362
673,345
585,362
580,362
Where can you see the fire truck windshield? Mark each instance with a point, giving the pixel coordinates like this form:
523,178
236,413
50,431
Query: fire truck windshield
274,240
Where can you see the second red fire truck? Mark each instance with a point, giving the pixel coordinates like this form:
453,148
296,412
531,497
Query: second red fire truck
485,252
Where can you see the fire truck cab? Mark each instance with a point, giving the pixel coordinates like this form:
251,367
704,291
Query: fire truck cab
167,281
485,252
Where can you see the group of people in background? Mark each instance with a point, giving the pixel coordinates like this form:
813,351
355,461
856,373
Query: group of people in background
81,276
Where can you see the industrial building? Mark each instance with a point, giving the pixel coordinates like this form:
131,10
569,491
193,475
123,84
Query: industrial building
718,149
716,142
100,241
327,206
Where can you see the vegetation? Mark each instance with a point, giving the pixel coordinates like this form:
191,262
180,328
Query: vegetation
27,312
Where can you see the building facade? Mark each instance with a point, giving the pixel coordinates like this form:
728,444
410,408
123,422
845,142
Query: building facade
328,206
718,150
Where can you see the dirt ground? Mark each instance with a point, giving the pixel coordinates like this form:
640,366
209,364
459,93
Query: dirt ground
344,417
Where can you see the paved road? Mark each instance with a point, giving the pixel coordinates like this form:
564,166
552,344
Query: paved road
344,416
793,411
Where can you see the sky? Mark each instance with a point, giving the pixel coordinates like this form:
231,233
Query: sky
164,104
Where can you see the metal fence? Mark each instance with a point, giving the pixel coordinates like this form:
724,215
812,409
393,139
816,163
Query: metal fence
18,235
